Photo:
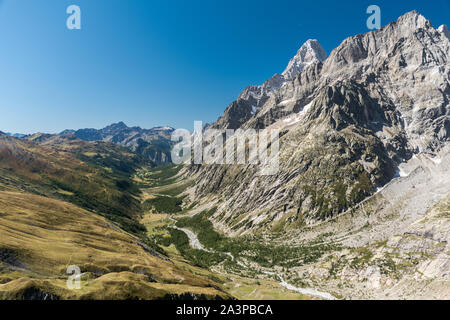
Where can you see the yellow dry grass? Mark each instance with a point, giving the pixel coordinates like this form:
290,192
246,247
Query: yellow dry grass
48,235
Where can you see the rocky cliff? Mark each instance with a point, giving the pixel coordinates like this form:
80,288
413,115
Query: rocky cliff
347,122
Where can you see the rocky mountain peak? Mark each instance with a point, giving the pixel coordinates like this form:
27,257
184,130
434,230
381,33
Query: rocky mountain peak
251,100
308,53
153,144
119,125
444,30
164,128
412,18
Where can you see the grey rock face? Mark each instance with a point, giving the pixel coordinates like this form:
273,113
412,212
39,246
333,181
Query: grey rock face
16,135
444,30
9,258
408,63
347,122
311,51
253,98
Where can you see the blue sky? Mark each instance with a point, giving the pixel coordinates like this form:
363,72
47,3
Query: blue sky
151,63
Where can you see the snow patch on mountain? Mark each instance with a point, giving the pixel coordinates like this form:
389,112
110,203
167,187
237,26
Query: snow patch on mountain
305,109
444,30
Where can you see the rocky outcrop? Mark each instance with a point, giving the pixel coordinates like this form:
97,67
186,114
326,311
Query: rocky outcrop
37,294
188,296
396,243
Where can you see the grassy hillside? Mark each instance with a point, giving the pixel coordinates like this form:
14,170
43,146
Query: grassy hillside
41,237
64,201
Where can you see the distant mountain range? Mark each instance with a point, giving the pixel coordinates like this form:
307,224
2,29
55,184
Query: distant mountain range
364,156
79,200
152,144
16,135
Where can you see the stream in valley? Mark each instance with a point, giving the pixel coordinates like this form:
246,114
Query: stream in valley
195,243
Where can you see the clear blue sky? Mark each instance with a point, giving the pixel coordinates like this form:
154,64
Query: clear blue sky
151,63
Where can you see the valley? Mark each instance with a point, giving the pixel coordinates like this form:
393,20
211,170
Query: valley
47,225
358,208
362,253
183,244
365,253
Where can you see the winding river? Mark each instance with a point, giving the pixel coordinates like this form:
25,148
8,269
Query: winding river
195,243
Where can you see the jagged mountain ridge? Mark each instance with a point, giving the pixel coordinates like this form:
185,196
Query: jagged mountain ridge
16,135
253,98
366,58
347,123
153,144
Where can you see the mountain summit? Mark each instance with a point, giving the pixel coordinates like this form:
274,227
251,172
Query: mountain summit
311,51
251,100
443,29
348,122
363,157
